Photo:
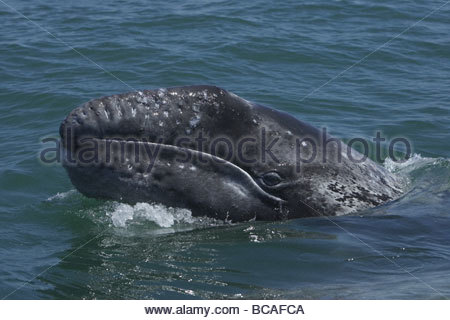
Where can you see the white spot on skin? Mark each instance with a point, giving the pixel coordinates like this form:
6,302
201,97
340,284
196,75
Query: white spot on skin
194,121
106,114
304,144
133,112
192,168
144,100
181,166
161,92
166,114
161,123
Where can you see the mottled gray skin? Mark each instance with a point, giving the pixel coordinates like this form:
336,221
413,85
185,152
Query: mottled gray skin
232,189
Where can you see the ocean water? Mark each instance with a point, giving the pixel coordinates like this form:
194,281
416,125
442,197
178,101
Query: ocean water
313,59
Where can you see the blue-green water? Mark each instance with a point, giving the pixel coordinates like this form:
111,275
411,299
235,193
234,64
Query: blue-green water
272,53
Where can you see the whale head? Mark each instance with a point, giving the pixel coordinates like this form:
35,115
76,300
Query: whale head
208,150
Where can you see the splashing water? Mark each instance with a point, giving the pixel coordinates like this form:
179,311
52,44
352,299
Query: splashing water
414,163
62,195
163,216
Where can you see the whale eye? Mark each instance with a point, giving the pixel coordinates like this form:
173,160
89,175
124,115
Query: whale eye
271,178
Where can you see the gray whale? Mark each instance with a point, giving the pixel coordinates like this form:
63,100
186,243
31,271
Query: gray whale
210,151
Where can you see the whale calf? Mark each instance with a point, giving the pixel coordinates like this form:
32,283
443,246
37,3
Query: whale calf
208,150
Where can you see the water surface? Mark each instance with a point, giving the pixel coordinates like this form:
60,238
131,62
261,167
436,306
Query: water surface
278,54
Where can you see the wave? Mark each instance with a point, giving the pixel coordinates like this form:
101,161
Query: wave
62,195
165,217
414,163
122,215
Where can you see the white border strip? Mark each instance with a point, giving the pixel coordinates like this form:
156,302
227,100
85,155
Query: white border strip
247,309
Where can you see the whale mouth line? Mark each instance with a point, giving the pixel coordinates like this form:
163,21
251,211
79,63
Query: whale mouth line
144,146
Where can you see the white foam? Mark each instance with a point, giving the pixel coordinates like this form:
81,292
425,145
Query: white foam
165,217
61,195
413,163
